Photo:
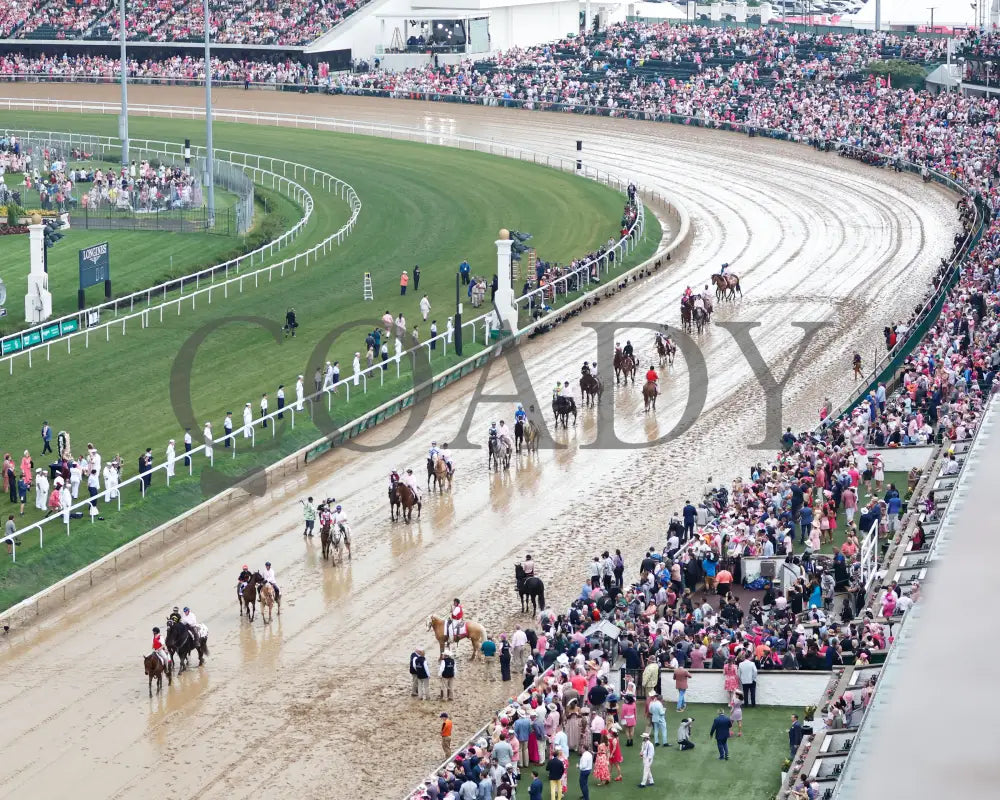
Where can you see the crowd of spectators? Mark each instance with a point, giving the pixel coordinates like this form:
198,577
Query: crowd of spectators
270,22
177,69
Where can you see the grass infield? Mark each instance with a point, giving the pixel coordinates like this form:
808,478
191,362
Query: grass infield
425,205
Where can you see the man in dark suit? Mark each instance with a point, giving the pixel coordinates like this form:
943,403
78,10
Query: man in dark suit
690,515
146,468
720,730
535,789
794,737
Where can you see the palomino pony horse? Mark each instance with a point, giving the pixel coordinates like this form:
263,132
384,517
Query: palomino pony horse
268,599
155,668
474,632
526,435
440,473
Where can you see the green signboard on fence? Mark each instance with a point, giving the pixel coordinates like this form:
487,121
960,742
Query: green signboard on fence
11,345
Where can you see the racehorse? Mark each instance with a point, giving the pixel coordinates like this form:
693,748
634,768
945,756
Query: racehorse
403,499
441,474
155,668
333,539
624,367
499,451
562,407
182,640
526,435
268,600
248,596
591,388
726,286
649,393
474,632
700,319
686,314
529,588
666,349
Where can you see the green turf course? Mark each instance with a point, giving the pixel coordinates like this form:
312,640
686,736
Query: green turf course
753,771
422,204
139,259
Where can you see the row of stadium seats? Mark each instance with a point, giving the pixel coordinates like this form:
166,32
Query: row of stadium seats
262,22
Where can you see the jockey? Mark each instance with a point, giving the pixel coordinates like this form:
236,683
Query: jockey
722,269
566,391
520,415
393,479
593,368
629,350
340,519
706,296
411,483
652,377
528,566
175,615
618,348
446,455
687,292
433,452
699,302
325,517
557,391
158,649
271,578
244,576
190,620
504,434
585,369
455,620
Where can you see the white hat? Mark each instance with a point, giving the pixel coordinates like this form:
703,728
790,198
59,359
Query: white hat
652,692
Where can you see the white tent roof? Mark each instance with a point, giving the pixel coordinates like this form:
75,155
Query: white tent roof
605,627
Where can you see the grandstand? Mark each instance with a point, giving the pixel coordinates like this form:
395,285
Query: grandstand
282,23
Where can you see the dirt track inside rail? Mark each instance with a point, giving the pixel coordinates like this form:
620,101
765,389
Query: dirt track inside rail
317,704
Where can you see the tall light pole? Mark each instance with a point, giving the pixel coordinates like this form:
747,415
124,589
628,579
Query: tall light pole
878,15
123,119
209,150
932,9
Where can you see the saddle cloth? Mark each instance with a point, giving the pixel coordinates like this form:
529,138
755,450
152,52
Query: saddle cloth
458,628
202,630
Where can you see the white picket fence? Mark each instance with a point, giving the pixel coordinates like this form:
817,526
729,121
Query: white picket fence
475,330
222,276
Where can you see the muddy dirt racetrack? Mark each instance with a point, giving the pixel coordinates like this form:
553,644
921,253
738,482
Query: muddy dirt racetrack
317,704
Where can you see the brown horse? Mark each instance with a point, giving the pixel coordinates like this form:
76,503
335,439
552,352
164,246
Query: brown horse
155,668
649,393
268,600
666,350
591,389
624,367
727,286
402,497
248,596
442,474
474,632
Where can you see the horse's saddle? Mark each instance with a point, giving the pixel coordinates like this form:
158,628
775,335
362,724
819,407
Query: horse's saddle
458,628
